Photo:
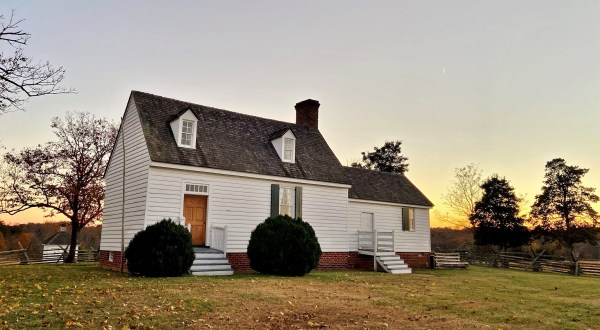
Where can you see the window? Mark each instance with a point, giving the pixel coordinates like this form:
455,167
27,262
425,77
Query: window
408,219
288,150
196,188
111,257
286,201
187,132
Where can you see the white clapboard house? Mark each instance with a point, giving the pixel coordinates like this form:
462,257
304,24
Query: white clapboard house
221,173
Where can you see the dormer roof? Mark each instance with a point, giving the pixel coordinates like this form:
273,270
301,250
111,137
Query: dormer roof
279,133
181,113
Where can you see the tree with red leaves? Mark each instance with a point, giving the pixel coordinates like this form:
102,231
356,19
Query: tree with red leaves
64,176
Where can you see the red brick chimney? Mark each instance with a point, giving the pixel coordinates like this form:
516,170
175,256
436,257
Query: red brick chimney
307,113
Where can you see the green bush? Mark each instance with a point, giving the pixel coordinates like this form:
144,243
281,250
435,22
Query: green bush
284,246
162,249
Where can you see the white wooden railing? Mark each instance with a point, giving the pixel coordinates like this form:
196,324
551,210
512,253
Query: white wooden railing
376,242
218,238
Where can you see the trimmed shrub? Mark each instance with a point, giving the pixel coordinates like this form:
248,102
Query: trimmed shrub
284,246
163,249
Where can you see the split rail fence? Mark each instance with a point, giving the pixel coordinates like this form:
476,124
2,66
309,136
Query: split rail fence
52,256
538,263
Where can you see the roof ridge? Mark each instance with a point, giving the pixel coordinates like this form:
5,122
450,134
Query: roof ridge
219,109
373,171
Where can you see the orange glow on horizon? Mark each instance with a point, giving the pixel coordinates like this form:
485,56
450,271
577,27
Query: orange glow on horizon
31,216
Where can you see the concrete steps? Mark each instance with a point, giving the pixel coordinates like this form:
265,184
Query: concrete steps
210,262
393,264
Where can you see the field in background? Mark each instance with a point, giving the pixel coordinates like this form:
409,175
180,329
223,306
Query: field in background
84,296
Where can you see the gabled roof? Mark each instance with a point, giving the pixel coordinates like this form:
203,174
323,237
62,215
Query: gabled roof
59,238
280,133
233,141
383,187
179,114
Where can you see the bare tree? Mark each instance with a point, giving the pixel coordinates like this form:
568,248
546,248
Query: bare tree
462,195
62,177
20,76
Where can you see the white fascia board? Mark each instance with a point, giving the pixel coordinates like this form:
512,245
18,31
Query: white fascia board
246,175
388,203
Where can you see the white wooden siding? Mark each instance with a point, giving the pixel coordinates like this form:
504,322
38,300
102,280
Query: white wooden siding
388,218
136,179
242,203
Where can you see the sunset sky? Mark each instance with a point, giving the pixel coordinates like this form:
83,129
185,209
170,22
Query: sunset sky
508,85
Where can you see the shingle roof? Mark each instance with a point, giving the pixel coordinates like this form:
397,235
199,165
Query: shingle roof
383,187
59,238
232,141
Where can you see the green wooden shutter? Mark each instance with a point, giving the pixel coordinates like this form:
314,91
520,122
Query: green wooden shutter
405,219
274,200
298,202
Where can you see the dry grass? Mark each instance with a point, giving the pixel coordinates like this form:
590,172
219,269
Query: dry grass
58,296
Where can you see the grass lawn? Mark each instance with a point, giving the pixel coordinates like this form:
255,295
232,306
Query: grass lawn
82,295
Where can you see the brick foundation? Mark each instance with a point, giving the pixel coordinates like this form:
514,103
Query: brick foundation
239,262
115,264
329,261
337,260
416,259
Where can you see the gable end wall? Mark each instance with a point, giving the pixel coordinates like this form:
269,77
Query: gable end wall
136,180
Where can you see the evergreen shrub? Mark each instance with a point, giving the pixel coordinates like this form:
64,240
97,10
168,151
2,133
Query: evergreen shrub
161,250
285,246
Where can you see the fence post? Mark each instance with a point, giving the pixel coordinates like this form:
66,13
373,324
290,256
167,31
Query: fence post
24,252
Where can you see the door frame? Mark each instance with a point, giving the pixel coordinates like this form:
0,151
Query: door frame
372,218
207,194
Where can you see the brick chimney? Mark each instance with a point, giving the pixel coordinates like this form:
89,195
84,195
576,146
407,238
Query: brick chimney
307,113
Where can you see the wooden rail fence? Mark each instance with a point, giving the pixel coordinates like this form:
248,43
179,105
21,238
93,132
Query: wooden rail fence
539,263
53,256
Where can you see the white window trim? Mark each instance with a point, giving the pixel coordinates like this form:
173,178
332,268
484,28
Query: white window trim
185,192
193,133
412,223
293,156
184,189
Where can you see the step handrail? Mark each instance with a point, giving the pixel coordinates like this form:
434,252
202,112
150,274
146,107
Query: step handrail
218,239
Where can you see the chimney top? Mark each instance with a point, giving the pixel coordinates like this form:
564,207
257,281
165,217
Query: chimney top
307,113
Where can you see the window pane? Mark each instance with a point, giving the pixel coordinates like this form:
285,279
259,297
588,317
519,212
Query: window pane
287,201
405,219
288,149
187,130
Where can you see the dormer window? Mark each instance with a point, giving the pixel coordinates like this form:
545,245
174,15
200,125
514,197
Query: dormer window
284,142
187,132
288,150
184,128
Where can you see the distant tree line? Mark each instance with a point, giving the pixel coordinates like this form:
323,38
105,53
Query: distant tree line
562,215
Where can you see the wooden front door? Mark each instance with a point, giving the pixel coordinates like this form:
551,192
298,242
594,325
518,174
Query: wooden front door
194,211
